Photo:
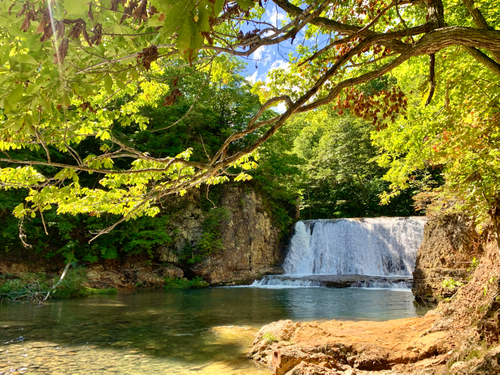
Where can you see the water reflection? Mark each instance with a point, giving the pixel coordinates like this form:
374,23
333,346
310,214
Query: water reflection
145,332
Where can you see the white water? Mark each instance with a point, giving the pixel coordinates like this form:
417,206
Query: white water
279,283
377,247
406,285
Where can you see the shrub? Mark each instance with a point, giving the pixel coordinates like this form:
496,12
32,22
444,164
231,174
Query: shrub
176,283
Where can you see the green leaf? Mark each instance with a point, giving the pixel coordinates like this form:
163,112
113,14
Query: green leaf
4,21
26,59
15,95
174,18
203,24
76,7
19,210
108,84
4,53
218,6
245,4
186,35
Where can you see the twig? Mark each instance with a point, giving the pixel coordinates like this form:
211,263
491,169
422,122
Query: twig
60,279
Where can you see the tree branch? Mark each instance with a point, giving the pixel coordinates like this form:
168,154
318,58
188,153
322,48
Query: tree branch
432,78
484,59
339,27
480,22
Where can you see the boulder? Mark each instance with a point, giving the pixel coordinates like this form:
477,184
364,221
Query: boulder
172,272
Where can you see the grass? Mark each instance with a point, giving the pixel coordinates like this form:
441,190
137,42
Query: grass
269,337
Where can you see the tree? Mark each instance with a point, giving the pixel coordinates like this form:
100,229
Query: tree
336,169
67,66
457,136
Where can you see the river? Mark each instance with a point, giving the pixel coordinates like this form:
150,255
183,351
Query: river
174,331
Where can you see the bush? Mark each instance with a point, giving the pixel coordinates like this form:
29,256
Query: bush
176,283
32,286
35,286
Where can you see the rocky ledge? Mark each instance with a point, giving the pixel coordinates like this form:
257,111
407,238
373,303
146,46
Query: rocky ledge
405,346
341,281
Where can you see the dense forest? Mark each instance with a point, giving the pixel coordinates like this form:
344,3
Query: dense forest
322,164
108,110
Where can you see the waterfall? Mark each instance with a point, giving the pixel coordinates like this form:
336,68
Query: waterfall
381,248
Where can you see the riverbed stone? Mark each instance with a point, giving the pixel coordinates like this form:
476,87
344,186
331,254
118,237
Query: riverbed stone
334,347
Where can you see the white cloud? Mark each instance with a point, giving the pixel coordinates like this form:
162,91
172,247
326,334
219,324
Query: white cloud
258,54
274,16
262,55
253,78
280,108
280,64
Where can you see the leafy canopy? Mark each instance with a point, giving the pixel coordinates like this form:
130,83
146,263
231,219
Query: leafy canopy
73,71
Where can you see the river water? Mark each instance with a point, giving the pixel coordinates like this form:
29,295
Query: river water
172,332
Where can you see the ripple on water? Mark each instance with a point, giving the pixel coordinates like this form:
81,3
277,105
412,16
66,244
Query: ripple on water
174,332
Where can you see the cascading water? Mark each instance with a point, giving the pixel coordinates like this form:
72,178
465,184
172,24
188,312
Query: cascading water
382,247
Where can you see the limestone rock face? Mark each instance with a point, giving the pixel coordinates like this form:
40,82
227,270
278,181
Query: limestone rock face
401,346
250,241
450,243
185,227
101,277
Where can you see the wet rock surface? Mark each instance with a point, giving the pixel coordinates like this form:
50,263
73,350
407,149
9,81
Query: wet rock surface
343,281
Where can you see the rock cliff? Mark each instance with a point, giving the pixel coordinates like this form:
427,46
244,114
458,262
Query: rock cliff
250,242
449,246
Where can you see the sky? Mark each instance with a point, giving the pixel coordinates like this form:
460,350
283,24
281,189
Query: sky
271,57
267,57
